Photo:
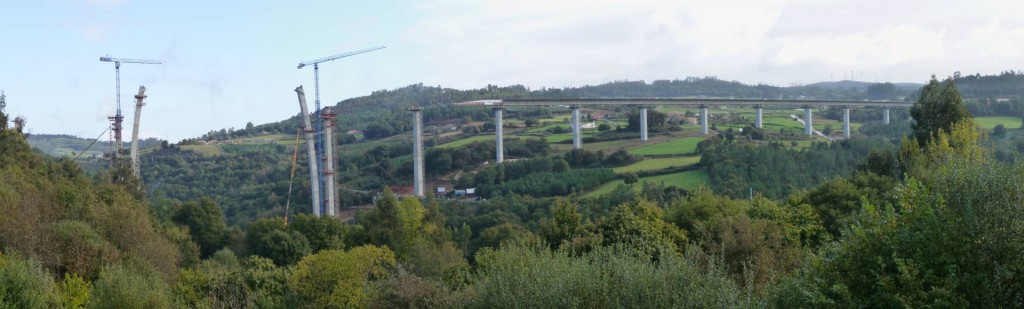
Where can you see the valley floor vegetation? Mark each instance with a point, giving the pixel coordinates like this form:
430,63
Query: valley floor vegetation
931,219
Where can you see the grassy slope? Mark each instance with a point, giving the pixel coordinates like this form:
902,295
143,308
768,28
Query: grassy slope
657,164
467,141
687,180
990,122
684,145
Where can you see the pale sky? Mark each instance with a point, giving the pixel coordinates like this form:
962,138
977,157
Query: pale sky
229,63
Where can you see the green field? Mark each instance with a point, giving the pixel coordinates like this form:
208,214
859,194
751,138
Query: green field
556,138
990,122
611,146
774,123
467,141
684,145
687,180
657,164
206,150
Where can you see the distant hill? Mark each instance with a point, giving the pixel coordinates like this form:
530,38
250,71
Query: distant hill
1005,85
62,145
862,86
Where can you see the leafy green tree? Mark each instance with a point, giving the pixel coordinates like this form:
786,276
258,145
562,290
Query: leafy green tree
129,287
630,178
938,108
24,284
565,227
503,235
205,222
655,120
73,292
323,233
835,201
382,223
999,130
92,251
339,279
270,238
606,277
951,240
3,116
640,225
882,91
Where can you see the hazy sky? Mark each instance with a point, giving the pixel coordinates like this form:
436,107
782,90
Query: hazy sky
229,63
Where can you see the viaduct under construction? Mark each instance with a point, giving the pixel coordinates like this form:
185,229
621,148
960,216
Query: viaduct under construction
319,139
116,126
643,104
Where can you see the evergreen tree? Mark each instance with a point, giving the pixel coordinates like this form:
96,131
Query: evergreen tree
3,116
938,108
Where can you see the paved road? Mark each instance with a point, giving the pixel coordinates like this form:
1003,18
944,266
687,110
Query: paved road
813,130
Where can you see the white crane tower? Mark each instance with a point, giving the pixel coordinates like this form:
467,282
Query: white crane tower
118,118
328,202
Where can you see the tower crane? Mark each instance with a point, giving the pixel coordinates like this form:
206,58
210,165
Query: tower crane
118,118
319,123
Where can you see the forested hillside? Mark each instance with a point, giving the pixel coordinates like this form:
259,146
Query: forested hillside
935,221
250,179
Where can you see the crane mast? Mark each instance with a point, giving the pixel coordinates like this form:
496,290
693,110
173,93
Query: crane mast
328,201
118,118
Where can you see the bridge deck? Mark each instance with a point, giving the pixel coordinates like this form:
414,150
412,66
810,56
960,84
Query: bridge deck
685,102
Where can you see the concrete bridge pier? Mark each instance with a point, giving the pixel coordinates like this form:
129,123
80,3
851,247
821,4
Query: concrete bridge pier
499,148
704,119
759,121
417,151
846,121
885,115
577,142
808,127
643,123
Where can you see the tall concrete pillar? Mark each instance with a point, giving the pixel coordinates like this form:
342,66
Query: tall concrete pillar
759,121
704,119
577,142
135,132
499,147
846,122
808,127
643,123
330,202
417,151
885,115
314,177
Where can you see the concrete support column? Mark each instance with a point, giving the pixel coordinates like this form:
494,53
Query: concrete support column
330,202
846,122
643,123
885,115
314,176
704,119
808,127
499,147
417,151
759,121
577,142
